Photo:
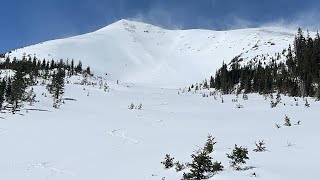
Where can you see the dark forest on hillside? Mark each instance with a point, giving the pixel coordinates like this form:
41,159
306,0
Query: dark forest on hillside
298,76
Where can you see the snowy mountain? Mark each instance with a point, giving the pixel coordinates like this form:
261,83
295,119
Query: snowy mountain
95,134
142,53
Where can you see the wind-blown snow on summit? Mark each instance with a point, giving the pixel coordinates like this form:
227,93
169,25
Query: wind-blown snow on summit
142,53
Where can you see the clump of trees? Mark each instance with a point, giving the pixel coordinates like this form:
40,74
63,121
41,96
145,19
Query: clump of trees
16,88
132,106
299,75
202,165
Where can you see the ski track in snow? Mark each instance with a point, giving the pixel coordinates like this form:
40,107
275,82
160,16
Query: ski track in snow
122,134
50,169
3,131
150,121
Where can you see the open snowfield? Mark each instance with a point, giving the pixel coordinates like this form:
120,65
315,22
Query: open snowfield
98,137
95,136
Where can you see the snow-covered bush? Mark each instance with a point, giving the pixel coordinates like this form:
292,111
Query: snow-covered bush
168,161
179,166
287,121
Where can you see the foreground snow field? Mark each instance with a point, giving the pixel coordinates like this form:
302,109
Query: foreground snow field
98,137
95,136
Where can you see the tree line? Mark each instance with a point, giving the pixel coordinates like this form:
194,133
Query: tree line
299,75
16,84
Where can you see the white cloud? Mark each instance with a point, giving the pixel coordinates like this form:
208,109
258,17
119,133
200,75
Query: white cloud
306,20
159,17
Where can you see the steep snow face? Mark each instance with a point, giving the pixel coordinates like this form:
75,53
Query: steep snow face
142,53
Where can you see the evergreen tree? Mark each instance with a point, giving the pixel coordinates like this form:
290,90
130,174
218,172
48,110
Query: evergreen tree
202,166
8,89
17,92
72,67
88,71
56,88
168,161
2,92
208,147
78,69
238,157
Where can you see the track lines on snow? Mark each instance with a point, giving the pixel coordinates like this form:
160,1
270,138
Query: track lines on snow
46,169
122,134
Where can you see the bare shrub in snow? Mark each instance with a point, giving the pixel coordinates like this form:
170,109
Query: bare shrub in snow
131,106
298,123
260,147
307,104
245,97
239,106
139,107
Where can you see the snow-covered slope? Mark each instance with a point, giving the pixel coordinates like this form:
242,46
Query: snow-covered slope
98,137
142,53
95,136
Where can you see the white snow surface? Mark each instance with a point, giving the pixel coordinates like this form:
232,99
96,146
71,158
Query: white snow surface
95,136
142,53
98,137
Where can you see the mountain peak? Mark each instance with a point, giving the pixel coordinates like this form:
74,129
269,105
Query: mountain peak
129,25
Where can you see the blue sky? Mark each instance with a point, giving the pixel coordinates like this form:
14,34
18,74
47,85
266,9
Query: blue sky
26,22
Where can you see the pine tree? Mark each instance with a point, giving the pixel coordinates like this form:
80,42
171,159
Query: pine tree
78,69
17,92
2,92
211,82
287,121
72,67
56,88
208,147
8,90
202,166
168,161
238,157
88,71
